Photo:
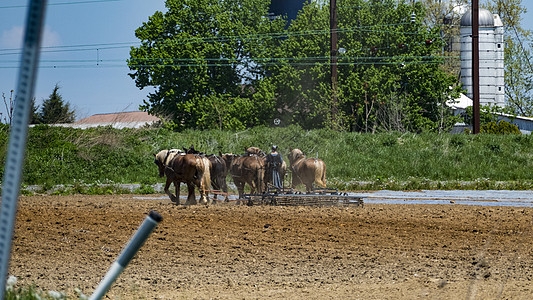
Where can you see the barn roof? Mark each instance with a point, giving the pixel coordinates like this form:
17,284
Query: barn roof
132,119
122,117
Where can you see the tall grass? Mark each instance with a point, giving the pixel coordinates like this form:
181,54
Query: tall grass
57,155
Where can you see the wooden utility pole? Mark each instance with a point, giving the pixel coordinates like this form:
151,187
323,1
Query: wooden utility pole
475,65
333,58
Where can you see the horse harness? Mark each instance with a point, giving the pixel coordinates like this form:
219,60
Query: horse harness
165,163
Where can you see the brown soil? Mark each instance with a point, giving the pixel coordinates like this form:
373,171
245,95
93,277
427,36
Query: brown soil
226,251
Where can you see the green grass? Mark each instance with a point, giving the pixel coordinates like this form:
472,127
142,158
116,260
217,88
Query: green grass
32,293
86,159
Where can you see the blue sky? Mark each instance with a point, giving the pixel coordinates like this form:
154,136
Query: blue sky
106,25
94,80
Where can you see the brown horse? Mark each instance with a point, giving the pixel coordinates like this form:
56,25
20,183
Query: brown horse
219,172
189,168
306,170
246,170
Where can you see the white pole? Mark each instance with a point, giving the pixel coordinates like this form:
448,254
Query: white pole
19,132
127,254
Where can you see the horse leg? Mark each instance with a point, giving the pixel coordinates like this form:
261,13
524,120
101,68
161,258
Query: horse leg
177,187
309,187
203,194
225,189
252,187
295,180
202,186
191,200
240,189
167,191
215,185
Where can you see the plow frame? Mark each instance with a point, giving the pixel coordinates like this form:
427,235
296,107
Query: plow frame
291,197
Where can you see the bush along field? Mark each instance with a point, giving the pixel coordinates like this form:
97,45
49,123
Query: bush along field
100,160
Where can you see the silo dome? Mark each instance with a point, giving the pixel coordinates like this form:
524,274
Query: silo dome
486,18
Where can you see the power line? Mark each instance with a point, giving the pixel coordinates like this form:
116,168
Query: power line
219,38
324,61
62,3
253,59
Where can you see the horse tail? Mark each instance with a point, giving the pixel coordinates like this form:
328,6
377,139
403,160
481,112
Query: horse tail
206,179
261,177
320,173
324,174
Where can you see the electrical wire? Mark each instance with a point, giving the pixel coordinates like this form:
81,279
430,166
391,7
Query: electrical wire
61,3
220,38
321,61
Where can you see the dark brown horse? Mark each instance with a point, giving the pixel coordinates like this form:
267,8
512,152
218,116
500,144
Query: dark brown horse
246,170
219,172
189,168
306,170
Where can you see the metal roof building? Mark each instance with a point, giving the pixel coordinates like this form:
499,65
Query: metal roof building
132,119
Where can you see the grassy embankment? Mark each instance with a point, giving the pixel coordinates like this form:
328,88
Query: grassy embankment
83,160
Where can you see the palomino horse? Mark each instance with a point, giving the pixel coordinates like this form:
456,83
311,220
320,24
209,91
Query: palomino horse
246,170
254,151
189,168
218,171
306,170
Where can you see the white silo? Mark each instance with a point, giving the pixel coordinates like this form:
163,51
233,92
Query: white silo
491,66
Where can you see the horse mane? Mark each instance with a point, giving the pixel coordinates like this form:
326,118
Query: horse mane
166,156
297,154
254,151
191,150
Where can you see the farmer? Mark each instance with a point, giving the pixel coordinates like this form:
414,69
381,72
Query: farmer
273,167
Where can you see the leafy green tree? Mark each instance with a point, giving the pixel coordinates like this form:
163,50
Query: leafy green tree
446,15
390,77
517,51
197,55
54,110
224,64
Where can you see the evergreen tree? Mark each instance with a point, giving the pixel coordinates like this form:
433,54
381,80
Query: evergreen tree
34,112
54,110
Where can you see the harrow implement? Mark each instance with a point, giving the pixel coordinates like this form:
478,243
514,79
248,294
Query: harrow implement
291,197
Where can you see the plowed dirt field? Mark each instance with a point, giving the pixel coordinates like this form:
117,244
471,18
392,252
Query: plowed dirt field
225,251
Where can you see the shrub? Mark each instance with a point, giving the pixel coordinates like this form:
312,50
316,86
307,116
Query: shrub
501,127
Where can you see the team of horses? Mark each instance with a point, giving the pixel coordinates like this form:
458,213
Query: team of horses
198,170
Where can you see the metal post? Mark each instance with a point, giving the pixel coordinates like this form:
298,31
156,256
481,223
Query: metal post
475,64
19,131
333,58
135,243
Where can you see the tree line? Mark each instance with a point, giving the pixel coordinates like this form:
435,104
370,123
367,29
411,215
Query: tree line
54,109
226,65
